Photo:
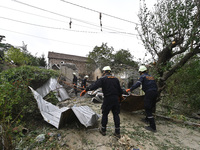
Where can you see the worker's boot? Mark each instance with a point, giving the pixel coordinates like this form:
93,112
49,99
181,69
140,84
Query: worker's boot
145,120
152,126
102,130
117,133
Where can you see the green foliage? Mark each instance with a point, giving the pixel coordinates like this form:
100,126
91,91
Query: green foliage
168,31
51,97
21,57
124,57
15,96
42,61
183,88
18,57
16,99
102,55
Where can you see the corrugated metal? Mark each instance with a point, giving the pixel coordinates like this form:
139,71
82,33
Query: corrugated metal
55,115
53,85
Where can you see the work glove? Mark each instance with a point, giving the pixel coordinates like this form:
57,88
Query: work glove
121,98
83,93
128,90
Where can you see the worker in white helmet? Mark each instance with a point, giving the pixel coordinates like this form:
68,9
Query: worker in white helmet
149,86
75,83
84,82
112,91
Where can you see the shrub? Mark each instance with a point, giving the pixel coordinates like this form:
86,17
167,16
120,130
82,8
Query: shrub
183,88
16,99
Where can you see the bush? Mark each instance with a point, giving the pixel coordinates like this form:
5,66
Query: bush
16,99
15,96
183,88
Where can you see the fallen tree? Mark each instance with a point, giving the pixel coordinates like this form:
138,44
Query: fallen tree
170,33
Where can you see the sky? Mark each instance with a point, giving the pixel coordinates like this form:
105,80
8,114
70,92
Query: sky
44,25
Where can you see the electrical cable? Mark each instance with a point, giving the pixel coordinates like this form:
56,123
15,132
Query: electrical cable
99,12
45,26
62,15
62,28
46,17
46,38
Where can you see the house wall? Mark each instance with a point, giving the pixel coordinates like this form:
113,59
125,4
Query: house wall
79,64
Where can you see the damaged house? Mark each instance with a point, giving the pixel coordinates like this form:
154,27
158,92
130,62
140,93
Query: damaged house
67,63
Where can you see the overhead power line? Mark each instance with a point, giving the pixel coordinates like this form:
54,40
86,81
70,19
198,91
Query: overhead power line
100,12
45,26
44,38
97,27
49,27
62,15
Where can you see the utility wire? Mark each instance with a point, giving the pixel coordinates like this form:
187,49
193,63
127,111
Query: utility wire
52,18
45,38
100,12
61,15
45,26
63,28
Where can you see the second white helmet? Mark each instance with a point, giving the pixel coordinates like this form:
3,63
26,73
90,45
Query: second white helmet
106,68
142,69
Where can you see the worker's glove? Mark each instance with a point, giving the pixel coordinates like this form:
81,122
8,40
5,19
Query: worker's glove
121,98
83,93
128,90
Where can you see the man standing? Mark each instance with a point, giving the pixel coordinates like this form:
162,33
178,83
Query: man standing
112,91
84,82
149,86
75,83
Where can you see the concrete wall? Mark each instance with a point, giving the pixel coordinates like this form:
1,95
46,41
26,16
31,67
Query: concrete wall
80,65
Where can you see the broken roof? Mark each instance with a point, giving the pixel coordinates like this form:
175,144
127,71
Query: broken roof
54,55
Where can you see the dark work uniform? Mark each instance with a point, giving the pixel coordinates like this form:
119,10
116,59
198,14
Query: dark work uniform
75,84
149,86
83,84
111,90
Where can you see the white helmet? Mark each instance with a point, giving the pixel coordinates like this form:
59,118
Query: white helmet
74,73
86,76
106,68
142,69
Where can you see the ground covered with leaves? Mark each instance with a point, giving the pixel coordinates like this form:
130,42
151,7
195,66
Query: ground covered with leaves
74,136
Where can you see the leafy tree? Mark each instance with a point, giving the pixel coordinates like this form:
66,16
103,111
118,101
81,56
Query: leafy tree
17,56
21,57
3,48
171,30
102,56
183,93
42,61
124,57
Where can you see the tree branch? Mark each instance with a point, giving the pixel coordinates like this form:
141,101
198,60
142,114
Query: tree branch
167,74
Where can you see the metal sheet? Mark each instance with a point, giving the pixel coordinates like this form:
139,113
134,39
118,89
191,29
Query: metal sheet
58,116
53,85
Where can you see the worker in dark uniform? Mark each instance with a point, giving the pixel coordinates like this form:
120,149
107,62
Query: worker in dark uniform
112,91
75,83
149,86
84,82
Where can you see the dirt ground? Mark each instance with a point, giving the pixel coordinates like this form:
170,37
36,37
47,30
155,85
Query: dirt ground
74,136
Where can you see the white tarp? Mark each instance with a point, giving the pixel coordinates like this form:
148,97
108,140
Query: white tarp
54,115
53,85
